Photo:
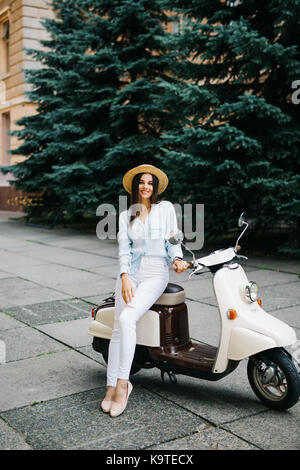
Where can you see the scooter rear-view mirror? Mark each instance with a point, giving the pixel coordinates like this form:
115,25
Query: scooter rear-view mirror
242,219
176,237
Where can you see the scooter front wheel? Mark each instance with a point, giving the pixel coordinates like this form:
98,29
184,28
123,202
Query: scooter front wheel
274,379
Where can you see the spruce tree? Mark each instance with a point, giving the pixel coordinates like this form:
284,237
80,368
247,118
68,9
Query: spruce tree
239,140
141,46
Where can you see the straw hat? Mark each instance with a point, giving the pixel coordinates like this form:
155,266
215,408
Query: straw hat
162,177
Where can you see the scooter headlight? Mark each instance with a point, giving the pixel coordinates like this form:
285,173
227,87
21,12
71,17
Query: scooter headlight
251,291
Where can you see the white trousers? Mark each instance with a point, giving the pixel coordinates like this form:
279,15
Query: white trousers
149,283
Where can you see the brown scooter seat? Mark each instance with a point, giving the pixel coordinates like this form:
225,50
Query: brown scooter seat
172,295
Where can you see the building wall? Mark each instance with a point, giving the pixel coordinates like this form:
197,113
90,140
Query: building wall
25,31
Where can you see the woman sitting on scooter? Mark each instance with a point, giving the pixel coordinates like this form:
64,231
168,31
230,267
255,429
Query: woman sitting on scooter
144,255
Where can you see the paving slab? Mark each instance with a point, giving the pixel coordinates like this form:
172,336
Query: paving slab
27,260
80,238
267,277
208,438
68,257
47,377
46,252
58,277
22,343
43,254
280,296
14,285
49,275
8,323
51,312
217,402
98,299
81,241
73,333
271,430
76,422
87,242
198,288
4,275
30,296
11,439
21,230
111,252
111,271
89,351
14,246
86,288
11,242
37,246
276,263
290,315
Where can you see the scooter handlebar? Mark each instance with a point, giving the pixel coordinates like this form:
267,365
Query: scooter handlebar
190,265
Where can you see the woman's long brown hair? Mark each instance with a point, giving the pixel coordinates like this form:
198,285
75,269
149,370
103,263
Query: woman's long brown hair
134,197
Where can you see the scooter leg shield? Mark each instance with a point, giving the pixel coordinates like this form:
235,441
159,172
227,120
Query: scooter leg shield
244,343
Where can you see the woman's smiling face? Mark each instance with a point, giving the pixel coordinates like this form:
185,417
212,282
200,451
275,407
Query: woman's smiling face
146,186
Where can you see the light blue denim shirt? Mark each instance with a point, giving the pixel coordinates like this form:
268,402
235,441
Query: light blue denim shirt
147,238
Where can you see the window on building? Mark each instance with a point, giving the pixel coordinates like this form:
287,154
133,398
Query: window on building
178,24
4,56
176,27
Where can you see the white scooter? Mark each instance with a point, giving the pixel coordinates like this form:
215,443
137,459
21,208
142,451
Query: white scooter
247,331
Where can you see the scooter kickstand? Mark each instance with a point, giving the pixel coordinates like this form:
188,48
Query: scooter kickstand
171,375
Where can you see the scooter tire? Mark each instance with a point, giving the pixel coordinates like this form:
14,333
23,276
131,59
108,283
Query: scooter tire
288,390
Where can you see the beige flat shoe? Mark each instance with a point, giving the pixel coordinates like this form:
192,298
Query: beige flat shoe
116,408
106,405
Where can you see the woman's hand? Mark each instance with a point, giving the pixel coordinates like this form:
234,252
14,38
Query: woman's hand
179,266
127,288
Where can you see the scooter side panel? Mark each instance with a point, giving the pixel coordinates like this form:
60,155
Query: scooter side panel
100,330
147,327
106,316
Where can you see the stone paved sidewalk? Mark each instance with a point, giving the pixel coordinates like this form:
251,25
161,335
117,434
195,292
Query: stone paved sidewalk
52,382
